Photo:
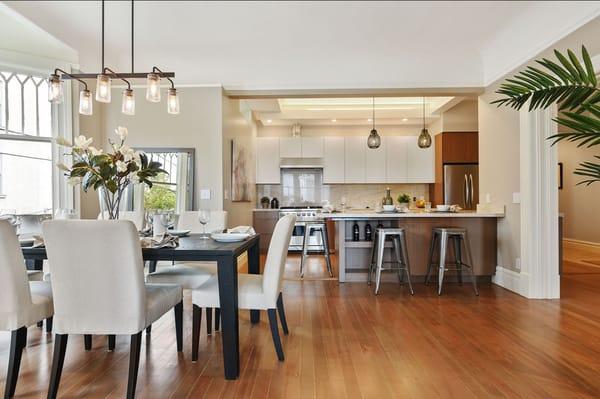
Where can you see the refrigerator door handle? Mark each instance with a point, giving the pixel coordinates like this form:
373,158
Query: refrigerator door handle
466,192
471,186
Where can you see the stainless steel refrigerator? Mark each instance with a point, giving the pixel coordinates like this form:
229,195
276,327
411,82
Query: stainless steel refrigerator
461,185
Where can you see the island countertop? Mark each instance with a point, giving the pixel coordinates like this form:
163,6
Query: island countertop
371,214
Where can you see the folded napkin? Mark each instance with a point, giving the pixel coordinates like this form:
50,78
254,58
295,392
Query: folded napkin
165,241
242,230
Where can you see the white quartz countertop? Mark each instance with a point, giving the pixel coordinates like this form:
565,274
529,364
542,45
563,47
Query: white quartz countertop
371,214
266,210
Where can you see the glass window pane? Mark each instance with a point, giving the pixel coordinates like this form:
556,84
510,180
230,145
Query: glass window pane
14,106
30,100
25,176
45,110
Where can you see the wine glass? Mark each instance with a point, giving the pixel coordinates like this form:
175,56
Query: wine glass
204,218
166,219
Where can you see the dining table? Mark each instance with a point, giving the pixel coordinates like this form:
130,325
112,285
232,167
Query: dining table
195,247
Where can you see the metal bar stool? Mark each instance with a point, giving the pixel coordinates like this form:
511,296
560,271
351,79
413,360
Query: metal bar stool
322,228
459,238
401,263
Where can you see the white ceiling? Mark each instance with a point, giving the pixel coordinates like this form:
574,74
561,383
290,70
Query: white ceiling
349,110
314,45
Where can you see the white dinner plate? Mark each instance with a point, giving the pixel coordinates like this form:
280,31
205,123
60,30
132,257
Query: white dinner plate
179,233
229,237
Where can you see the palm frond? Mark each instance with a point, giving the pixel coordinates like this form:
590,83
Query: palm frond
589,170
568,82
585,128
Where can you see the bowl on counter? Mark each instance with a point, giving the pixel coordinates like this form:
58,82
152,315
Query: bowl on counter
442,208
389,208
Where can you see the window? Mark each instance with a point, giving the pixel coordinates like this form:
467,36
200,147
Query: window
25,143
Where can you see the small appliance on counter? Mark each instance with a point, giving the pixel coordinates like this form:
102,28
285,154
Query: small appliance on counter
274,203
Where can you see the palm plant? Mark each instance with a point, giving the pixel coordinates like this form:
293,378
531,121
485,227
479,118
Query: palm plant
571,84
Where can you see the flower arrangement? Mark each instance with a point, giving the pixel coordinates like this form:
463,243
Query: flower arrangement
109,173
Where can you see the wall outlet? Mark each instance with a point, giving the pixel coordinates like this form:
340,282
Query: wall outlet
205,194
518,264
516,198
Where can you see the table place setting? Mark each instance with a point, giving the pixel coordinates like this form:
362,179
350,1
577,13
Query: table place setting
165,241
236,234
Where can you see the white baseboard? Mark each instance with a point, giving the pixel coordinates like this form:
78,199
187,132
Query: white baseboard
508,279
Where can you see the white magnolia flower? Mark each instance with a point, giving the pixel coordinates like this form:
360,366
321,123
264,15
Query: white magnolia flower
73,181
94,151
121,166
82,142
64,142
127,152
121,132
62,166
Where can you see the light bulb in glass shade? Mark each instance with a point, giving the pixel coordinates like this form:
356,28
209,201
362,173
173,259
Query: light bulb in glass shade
374,141
85,102
103,88
55,89
424,140
173,102
153,89
128,105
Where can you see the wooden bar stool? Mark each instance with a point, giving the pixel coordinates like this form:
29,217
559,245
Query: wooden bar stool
322,228
459,238
401,263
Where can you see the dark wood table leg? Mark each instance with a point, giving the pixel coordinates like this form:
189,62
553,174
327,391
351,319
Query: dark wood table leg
228,298
34,264
254,268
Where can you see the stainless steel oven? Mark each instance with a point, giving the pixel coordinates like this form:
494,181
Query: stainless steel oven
303,215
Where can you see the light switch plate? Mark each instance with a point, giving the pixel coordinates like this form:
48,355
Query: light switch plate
205,194
518,264
516,198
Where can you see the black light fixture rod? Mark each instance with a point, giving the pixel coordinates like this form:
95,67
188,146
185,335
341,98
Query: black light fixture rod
136,75
423,112
66,75
373,118
103,35
132,19
117,75
160,73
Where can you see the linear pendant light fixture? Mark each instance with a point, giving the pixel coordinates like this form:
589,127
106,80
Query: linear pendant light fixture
373,141
424,140
104,82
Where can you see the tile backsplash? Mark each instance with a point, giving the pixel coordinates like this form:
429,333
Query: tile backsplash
357,195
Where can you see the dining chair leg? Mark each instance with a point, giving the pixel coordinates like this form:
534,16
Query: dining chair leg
111,342
196,320
275,333
149,330
58,359
87,342
209,321
134,363
178,310
49,324
217,319
18,340
281,312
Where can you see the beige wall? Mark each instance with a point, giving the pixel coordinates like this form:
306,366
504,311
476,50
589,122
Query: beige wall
238,125
460,118
578,203
198,126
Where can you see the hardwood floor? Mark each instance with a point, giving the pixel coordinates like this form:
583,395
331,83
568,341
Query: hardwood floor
346,343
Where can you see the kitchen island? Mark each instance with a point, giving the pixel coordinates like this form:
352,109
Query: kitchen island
353,256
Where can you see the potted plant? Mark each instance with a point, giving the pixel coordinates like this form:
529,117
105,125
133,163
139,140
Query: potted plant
571,84
109,173
403,200
264,202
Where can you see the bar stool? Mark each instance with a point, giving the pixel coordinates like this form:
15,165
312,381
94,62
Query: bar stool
400,263
459,238
321,227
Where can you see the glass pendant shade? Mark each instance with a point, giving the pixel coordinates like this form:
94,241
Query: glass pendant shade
424,140
85,102
128,104
103,88
173,102
153,88
55,89
374,140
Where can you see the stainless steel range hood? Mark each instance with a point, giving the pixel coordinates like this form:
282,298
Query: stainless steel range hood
301,163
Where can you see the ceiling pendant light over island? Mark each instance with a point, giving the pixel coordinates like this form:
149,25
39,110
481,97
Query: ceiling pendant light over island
104,81
373,141
424,140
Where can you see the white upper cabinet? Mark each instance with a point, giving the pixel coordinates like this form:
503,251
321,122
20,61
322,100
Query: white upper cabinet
312,147
355,161
375,169
333,160
267,160
396,165
420,162
290,147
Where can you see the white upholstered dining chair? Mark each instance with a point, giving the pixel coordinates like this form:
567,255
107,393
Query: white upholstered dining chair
191,275
22,302
99,289
255,291
137,217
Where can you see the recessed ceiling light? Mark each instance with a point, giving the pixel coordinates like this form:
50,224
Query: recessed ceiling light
269,121
369,120
404,119
334,120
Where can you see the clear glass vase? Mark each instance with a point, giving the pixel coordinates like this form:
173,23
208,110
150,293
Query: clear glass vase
110,202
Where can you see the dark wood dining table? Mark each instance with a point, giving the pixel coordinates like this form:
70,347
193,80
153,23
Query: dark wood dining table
194,248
